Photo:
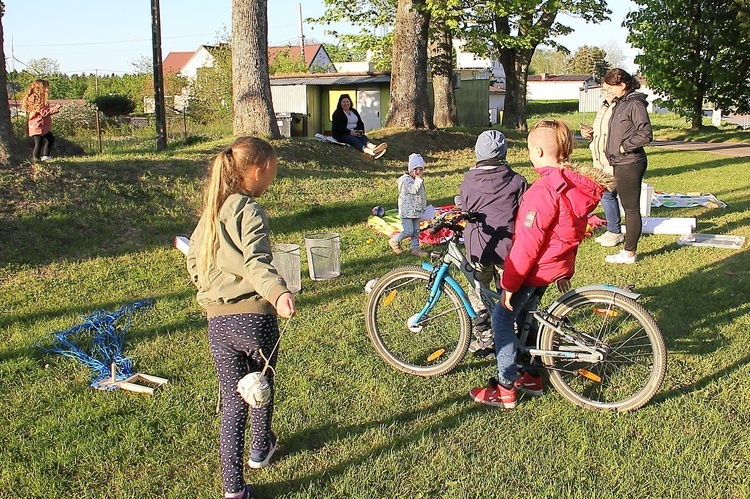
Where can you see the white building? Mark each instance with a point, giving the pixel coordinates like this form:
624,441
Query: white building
556,87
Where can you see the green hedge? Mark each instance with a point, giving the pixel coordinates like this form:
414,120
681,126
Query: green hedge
551,107
114,104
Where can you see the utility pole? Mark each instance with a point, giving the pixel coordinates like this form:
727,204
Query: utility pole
301,34
159,110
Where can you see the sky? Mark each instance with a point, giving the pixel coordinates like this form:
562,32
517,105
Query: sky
105,37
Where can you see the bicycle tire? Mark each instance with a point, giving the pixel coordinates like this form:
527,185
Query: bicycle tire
634,368
444,334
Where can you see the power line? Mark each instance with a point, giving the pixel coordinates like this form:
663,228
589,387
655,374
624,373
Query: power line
107,43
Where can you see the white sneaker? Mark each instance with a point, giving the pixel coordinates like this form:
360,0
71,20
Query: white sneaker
621,257
46,158
610,239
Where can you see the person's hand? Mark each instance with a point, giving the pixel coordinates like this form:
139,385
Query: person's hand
285,305
587,133
563,285
505,299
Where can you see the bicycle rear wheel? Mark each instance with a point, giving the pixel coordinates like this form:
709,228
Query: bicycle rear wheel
432,347
635,357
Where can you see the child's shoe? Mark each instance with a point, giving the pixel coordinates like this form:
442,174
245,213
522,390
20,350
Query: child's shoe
396,247
46,158
260,458
419,253
495,395
247,493
530,384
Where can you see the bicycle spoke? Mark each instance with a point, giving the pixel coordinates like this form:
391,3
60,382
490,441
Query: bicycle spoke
431,346
628,339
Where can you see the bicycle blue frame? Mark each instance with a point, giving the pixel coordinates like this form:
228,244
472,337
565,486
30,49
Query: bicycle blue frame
442,275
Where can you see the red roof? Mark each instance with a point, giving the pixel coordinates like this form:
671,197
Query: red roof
294,52
175,61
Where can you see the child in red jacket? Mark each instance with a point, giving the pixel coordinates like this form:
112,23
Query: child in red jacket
39,112
550,225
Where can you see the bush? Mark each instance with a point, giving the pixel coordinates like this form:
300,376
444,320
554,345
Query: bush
74,118
545,107
114,104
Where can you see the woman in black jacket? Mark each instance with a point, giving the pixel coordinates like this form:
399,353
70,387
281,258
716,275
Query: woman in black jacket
629,132
347,126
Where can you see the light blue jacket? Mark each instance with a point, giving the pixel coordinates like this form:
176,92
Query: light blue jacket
412,198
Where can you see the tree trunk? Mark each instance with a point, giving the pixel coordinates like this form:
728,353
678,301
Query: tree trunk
251,86
444,109
9,151
516,65
696,118
409,105
533,25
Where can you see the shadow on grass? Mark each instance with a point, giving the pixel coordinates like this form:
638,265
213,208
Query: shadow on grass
36,350
663,154
704,382
313,439
70,210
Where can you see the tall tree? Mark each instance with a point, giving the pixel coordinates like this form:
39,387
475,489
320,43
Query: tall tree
375,19
550,61
615,55
589,61
409,105
251,85
444,109
43,67
511,30
444,22
713,48
9,151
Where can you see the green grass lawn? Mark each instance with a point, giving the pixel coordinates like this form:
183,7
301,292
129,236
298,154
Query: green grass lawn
84,234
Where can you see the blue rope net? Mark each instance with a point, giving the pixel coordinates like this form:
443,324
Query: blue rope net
98,342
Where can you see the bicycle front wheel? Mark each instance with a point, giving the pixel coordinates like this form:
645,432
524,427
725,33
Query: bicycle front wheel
634,355
430,347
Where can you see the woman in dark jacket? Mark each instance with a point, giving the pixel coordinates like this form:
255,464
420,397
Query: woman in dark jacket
629,132
347,126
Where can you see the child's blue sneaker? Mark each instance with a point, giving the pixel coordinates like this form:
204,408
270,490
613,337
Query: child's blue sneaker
260,458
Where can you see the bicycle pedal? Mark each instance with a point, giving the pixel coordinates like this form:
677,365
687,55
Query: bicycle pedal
484,353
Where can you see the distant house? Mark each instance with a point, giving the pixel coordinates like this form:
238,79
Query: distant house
556,87
590,98
187,63
316,58
175,61
16,105
310,99
470,65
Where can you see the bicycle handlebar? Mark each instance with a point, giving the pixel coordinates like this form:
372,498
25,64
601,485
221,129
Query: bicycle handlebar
451,220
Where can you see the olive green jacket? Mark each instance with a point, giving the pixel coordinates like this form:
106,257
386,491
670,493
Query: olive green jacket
242,279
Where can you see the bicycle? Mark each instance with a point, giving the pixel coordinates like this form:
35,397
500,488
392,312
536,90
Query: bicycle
601,349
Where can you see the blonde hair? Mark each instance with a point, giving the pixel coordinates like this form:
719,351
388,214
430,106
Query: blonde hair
229,174
37,96
554,137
